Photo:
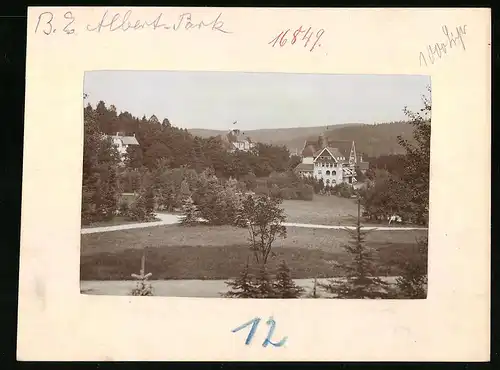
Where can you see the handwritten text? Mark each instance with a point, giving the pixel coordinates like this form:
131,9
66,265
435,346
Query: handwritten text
255,322
110,22
438,50
300,35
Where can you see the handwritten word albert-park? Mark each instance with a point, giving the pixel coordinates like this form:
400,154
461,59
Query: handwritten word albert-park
255,323
438,50
301,36
49,24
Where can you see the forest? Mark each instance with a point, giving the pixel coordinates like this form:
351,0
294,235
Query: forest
171,165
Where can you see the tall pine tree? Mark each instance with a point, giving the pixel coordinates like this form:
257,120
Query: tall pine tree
361,280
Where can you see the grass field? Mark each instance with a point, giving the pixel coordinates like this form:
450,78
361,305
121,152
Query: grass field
218,252
322,210
183,262
220,236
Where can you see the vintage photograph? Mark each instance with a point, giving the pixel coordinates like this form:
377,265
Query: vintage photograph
255,185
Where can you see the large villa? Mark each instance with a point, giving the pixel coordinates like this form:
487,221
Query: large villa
333,161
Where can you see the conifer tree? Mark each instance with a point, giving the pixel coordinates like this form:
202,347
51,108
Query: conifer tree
263,283
284,286
243,286
361,280
190,212
143,208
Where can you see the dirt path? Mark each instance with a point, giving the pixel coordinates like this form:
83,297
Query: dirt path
170,219
184,288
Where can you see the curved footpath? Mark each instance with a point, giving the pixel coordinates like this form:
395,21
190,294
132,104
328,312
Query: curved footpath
170,219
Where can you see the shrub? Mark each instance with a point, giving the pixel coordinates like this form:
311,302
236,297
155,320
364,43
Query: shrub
343,190
412,283
288,193
306,192
124,208
261,190
143,208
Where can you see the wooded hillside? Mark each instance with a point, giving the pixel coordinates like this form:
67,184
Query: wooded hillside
371,139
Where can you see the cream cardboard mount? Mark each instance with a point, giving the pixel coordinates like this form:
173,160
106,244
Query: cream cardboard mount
56,322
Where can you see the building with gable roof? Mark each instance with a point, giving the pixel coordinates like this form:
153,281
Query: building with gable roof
333,161
234,140
122,142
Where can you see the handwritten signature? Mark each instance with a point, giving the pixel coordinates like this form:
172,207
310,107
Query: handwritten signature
126,22
438,50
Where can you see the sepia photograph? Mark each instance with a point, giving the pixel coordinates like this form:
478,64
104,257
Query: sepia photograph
255,185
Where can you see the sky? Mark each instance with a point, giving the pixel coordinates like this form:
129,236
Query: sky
214,100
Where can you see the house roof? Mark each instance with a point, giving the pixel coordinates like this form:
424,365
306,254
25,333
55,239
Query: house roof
335,152
343,146
129,140
305,167
312,147
126,140
308,150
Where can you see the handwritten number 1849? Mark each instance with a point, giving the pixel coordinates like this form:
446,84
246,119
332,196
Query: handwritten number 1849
281,39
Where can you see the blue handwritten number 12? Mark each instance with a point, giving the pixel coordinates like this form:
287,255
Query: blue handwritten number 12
255,322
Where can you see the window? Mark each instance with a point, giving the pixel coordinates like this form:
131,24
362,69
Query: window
322,165
319,172
328,173
327,181
334,173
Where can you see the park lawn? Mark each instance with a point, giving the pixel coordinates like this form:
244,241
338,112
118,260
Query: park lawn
218,252
224,262
327,210
221,236
322,210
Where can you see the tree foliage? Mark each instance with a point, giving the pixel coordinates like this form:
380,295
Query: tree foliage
243,286
264,218
404,188
100,187
412,282
361,280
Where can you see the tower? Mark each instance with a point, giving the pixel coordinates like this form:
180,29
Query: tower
322,141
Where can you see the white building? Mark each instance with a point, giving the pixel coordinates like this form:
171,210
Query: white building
332,161
236,141
122,142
